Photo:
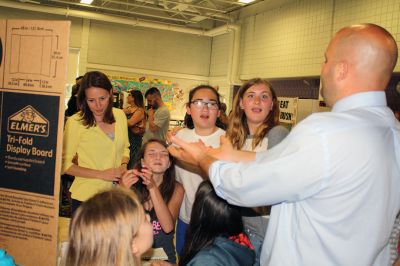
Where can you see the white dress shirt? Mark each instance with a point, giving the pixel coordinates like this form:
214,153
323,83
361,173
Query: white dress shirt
335,180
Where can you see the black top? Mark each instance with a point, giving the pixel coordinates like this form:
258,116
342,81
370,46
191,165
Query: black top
161,239
72,106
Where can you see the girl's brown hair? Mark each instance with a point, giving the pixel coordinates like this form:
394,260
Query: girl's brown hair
238,129
167,185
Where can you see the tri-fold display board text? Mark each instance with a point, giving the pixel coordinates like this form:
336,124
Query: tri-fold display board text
33,57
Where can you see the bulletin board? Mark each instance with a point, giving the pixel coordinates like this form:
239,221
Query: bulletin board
170,91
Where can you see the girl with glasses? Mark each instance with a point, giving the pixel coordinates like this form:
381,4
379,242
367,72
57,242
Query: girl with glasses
202,112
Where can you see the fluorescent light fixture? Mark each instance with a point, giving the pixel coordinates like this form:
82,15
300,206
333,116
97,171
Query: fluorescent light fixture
242,1
88,2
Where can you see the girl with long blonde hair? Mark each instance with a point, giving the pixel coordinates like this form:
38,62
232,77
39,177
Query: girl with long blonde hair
254,126
255,112
109,229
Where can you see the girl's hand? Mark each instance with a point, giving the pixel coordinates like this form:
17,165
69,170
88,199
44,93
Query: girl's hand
147,177
168,136
129,178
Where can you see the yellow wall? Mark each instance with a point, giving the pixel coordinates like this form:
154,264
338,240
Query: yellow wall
284,42
289,41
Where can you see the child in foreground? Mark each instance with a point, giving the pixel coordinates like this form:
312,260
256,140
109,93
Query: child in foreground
109,229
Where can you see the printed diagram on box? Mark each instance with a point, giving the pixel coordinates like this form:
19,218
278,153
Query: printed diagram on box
34,55
34,48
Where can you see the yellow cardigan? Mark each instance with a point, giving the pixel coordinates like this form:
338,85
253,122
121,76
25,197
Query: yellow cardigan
95,150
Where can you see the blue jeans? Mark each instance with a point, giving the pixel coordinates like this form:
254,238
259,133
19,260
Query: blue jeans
257,243
181,229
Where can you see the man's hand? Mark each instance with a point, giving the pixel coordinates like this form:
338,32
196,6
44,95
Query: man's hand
197,153
190,153
150,113
224,152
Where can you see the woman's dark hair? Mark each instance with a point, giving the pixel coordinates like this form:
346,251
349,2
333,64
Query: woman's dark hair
167,186
211,217
75,89
137,98
188,121
99,80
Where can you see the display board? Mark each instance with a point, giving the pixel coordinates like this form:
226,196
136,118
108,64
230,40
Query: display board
32,80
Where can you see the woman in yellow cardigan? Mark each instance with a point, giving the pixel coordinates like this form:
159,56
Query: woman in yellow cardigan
96,145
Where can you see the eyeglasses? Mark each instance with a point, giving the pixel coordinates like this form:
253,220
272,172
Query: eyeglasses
199,104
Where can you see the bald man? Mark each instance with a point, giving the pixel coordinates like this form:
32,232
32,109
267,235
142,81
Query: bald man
334,182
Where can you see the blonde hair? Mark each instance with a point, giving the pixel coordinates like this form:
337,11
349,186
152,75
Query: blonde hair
238,129
102,230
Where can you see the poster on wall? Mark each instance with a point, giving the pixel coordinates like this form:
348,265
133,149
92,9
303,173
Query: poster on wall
288,110
169,90
33,79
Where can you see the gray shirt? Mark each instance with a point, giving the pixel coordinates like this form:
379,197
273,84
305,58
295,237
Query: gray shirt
161,119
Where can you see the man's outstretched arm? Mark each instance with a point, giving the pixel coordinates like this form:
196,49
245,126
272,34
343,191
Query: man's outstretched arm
198,154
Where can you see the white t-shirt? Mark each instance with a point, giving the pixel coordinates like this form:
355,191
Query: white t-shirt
190,177
247,146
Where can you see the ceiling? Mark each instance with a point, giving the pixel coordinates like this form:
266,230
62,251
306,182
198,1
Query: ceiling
202,14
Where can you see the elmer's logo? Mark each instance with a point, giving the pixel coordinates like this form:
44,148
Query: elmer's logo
28,121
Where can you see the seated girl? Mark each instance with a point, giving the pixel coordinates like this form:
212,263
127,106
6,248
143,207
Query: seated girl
215,235
160,194
109,229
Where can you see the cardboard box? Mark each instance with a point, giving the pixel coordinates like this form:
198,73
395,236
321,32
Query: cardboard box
32,77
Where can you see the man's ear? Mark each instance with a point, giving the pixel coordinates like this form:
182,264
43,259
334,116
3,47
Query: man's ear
342,69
